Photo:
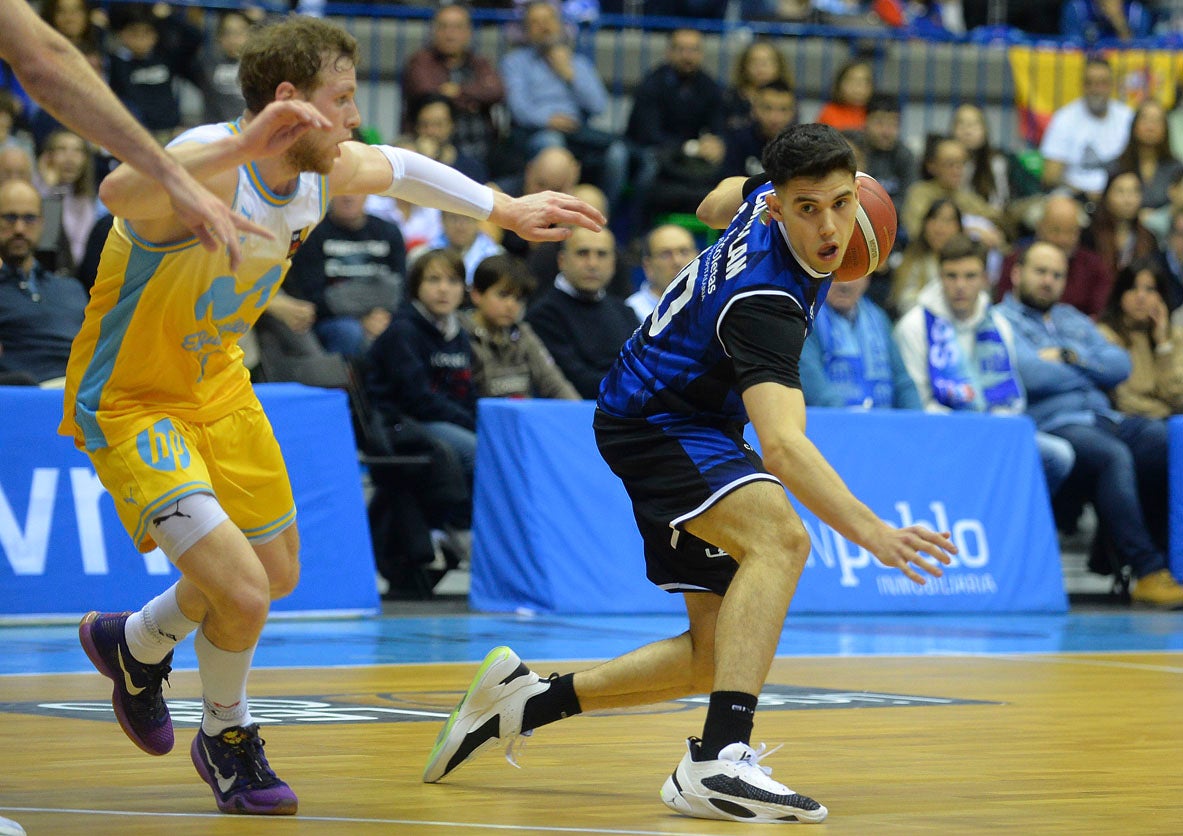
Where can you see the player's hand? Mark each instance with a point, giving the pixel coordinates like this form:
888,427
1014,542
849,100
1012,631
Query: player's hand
545,216
207,217
279,125
902,548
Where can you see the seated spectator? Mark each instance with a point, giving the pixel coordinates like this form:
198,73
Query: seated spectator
960,352
1137,320
1066,366
1148,152
1086,134
849,358
351,268
151,54
1158,221
75,19
219,85
1105,20
1116,234
668,248
987,172
676,128
774,108
887,159
1060,220
581,325
40,311
449,67
758,63
463,236
1172,255
854,84
434,125
551,169
10,114
943,175
552,92
70,195
542,259
421,366
919,267
15,164
509,361
282,347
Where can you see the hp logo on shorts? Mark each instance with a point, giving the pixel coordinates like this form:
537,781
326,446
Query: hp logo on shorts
162,447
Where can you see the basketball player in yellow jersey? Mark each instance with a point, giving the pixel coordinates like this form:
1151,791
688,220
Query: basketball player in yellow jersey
158,397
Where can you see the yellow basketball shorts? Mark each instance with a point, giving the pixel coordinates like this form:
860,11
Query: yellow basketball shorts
235,458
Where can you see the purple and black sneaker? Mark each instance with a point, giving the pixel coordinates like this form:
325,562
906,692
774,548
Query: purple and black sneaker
137,698
233,764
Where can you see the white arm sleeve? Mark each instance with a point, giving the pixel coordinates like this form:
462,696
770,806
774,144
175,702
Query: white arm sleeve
422,180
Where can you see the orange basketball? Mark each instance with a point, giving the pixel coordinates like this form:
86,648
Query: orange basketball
874,231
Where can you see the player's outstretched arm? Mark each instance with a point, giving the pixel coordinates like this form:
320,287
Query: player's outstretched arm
719,207
405,174
63,82
778,415
133,195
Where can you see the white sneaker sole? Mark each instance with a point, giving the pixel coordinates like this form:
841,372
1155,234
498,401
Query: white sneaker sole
738,809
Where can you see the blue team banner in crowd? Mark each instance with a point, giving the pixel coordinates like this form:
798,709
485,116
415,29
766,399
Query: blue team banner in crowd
64,552
553,527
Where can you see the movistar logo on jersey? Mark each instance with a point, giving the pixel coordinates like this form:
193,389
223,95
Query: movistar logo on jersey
162,447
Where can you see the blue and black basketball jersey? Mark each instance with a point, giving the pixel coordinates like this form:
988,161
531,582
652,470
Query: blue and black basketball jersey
735,316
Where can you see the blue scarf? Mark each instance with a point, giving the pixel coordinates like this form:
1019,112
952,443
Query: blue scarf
857,356
990,383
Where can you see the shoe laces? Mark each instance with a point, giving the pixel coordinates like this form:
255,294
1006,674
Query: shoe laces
249,753
752,758
516,745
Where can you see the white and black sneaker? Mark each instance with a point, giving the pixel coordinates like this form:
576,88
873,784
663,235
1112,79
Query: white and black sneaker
489,713
735,788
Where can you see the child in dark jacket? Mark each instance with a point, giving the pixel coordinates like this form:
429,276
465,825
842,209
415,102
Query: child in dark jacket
421,366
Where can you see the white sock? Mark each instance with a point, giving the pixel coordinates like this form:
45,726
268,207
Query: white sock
223,685
155,630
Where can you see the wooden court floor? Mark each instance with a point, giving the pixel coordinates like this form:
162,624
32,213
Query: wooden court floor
1042,743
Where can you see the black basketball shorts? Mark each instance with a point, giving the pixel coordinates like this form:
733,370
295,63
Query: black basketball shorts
673,473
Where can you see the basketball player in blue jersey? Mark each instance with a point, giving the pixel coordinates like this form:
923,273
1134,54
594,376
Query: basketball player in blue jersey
158,397
720,349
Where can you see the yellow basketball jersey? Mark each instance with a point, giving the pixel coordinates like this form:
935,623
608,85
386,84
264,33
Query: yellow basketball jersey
160,336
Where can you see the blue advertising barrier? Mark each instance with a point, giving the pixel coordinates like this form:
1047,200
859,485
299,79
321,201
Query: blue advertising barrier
553,528
63,551
1175,492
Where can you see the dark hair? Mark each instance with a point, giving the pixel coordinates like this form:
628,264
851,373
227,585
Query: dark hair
1128,159
739,78
844,71
810,150
1126,276
293,50
936,206
8,104
961,246
1095,59
981,158
504,267
883,103
434,98
931,143
124,15
776,86
419,268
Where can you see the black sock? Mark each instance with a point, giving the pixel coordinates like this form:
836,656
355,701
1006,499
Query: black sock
555,703
729,720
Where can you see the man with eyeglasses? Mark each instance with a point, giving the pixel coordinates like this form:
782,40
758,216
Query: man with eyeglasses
668,248
40,311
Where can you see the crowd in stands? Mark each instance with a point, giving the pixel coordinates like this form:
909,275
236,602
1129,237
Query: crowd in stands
1053,291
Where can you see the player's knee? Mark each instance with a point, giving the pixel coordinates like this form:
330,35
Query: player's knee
245,604
284,579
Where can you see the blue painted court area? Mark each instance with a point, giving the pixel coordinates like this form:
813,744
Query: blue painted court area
393,639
